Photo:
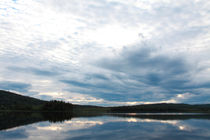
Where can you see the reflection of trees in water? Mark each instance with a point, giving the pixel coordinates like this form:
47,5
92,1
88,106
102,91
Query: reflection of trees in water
14,119
57,116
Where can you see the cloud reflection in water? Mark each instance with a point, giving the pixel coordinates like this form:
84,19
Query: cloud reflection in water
109,127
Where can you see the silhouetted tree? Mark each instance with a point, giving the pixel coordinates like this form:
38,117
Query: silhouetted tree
57,106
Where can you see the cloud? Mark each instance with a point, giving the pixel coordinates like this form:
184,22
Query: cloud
115,51
16,86
35,71
141,74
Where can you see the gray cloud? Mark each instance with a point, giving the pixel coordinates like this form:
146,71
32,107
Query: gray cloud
17,86
140,72
35,71
170,74
143,65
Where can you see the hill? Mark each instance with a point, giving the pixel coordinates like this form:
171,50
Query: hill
14,102
9,100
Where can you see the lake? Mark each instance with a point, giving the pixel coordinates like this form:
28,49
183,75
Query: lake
36,126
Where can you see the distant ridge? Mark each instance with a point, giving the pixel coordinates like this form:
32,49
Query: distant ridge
163,107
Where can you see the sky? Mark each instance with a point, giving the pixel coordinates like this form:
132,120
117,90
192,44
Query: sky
106,52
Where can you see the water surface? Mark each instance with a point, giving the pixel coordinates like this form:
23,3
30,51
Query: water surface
106,127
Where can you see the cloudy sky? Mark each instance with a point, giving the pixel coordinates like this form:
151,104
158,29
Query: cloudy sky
106,52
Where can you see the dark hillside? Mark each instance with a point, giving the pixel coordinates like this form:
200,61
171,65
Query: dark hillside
163,107
9,100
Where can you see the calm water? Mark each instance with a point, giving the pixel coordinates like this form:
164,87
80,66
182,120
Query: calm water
117,127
